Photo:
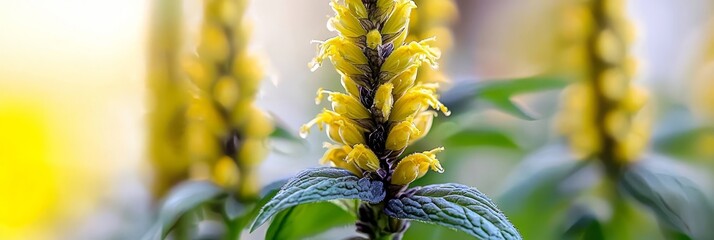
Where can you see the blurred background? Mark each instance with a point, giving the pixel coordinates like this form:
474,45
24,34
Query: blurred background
73,100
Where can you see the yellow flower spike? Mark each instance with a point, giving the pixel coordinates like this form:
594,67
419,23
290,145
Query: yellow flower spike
252,152
415,100
404,81
407,56
374,39
364,158
400,135
415,166
383,99
344,104
423,123
225,172
344,22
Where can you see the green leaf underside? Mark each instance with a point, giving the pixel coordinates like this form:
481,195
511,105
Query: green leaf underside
282,132
182,199
677,202
499,93
454,206
267,193
318,185
481,137
306,220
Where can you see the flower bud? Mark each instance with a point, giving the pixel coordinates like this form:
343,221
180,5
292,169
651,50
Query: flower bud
423,123
416,99
364,158
383,99
415,166
374,39
400,135
336,155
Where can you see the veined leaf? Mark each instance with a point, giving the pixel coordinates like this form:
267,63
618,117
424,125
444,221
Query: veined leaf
321,184
499,93
301,221
681,207
183,198
455,206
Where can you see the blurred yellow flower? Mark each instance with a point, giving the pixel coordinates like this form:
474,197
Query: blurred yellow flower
28,180
601,114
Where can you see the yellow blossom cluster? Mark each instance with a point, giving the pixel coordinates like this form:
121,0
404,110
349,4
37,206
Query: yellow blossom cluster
433,19
383,109
226,132
601,114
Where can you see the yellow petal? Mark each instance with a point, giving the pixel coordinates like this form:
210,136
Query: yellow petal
383,99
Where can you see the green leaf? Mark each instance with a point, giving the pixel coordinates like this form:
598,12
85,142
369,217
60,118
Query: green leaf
419,230
321,184
454,206
306,220
182,199
481,137
542,189
285,141
684,143
267,193
680,206
499,93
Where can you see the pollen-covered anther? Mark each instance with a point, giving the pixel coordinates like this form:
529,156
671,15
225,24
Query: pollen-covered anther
364,158
415,166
